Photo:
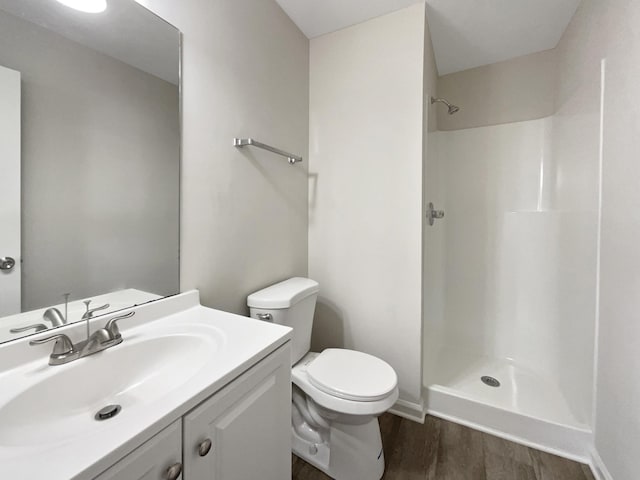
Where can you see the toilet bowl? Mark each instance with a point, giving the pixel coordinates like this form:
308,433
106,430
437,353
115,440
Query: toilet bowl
337,394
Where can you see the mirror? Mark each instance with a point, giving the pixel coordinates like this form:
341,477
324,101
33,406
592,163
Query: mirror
89,162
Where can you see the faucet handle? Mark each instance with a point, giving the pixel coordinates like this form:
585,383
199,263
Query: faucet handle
63,345
112,324
38,328
90,311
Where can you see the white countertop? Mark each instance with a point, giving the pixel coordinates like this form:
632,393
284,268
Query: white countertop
242,343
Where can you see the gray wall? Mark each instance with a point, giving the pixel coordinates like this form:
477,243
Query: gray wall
100,170
519,89
244,212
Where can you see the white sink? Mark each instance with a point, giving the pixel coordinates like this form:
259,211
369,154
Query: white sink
174,355
136,373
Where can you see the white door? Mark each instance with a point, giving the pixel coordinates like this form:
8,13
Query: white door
9,192
157,459
244,431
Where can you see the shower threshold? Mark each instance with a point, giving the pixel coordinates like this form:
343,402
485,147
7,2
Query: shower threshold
520,405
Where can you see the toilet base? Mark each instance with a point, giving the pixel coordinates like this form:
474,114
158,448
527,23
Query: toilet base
352,452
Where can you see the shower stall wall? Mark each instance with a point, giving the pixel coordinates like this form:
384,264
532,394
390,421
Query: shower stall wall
510,282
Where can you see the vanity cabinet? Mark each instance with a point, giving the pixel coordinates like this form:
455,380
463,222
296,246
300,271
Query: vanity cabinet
242,432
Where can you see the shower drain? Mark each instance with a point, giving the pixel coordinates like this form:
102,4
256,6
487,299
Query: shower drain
492,382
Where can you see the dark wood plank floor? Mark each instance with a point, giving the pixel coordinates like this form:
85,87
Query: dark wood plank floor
441,450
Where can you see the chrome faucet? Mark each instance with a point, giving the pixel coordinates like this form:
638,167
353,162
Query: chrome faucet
53,316
64,351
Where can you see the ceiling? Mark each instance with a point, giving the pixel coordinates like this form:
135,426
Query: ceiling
471,33
317,17
125,31
465,33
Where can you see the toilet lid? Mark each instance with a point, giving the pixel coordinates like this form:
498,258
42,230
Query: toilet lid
352,375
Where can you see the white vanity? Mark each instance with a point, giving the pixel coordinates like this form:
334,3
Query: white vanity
203,394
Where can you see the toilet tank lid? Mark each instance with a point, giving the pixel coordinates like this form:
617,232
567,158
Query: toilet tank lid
283,294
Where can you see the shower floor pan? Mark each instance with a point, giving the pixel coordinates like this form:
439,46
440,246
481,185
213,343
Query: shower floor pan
525,408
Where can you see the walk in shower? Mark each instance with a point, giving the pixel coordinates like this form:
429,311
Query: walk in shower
510,273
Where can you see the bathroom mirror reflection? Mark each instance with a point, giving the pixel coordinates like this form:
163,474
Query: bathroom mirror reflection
89,162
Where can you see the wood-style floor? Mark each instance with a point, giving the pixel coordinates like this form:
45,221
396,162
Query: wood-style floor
441,450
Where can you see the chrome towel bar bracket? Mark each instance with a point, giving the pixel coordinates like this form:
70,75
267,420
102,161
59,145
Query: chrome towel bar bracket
244,142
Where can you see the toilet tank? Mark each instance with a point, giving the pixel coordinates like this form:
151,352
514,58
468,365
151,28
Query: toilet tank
291,303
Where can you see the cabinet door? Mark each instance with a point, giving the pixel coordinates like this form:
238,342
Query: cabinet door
152,460
248,424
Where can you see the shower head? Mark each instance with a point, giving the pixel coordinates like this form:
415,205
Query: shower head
452,108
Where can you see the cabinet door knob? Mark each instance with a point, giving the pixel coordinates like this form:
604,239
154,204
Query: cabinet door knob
174,471
204,448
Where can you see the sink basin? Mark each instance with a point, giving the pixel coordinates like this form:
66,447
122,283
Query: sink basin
61,405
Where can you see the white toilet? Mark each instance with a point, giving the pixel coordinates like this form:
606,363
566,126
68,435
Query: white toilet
337,394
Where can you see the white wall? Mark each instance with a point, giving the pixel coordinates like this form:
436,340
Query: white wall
365,228
609,29
99,140
244,212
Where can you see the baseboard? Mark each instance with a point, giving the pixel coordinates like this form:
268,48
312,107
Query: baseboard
598,467
562,440
409,410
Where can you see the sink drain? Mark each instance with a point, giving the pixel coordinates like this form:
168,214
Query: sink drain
490,381
108,412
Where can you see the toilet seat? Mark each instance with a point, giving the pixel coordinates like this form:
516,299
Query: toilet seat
300,377
352,375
